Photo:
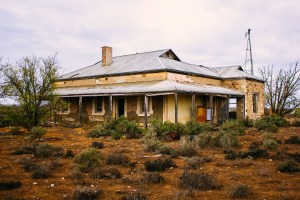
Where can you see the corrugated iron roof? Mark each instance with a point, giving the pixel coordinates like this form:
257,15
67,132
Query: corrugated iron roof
155,61
145,87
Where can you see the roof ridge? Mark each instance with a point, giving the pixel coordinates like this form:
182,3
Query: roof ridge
164,50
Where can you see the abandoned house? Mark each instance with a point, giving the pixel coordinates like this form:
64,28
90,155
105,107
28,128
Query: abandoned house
158,85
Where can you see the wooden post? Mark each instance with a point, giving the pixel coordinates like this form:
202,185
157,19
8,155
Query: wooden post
176,107
193,108
227,108
110,107
211,108
146,111
80,109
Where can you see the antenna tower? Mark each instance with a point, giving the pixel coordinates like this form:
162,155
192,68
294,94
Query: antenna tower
248,51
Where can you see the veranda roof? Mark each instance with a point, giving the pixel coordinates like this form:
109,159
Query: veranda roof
150,87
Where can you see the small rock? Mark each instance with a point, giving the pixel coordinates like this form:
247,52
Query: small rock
52,185
65,195
63,178
34,183
171,167
92,186
270,160
128,186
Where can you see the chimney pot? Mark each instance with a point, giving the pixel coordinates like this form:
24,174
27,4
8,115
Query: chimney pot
106,56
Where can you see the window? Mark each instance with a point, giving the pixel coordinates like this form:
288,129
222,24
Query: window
98,106
141,104
255,101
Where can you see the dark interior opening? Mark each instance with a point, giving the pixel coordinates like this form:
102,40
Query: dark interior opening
121,106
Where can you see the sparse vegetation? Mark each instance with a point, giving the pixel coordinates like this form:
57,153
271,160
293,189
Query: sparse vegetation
159,165
88,160
293,140
152,178
37,132
234,126
117,128
135,195
41,171
97,145
118,159
107,173
87,193
240,191
199,181
288,166
187,148
46,150
270,144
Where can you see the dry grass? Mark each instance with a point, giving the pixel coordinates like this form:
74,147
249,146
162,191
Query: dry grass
259,174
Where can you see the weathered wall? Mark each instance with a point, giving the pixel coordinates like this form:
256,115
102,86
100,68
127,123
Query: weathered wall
248,87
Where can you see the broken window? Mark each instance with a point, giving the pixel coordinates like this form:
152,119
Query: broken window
232,108
255,101
98,105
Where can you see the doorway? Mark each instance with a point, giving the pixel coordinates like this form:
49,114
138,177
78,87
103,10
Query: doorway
121,106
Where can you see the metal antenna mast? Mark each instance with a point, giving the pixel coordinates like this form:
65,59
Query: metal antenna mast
250,52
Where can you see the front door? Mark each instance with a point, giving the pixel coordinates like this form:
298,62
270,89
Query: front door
121,106
201,114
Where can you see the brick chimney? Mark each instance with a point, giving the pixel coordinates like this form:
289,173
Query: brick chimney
106,56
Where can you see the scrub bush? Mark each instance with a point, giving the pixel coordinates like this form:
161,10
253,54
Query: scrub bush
293,140
195,128
42,171
108,173
152,178
46,150
234,126
88,160
270,144
87,193
97,145
118,159
198,181
37,132
288,166
159,165
241,191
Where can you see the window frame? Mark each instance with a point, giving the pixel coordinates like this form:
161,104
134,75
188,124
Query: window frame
140,105
94,112
255,102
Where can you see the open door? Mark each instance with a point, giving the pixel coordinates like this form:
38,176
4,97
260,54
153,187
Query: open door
121,106
201,114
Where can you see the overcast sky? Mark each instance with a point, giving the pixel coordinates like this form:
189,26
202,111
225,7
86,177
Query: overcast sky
207,32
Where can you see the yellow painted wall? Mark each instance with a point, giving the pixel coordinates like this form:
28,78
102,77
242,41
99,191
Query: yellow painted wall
184,108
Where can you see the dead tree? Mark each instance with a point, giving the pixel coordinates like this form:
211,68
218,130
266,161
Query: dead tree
282,89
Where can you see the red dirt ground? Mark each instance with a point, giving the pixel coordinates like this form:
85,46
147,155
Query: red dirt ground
261,174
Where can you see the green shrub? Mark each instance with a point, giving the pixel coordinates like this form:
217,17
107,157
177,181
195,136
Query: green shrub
277,120
187,147
167,150
98,131
195,128
28,164
46,150
37,132
241,191
118,159
225,139
288,166
87,193
231,155
234,126
159,165
26,149
42,171
199,181
117,129
205,139
264,125
194,162
248,122
107,173
88,160
270,144
162,129
152,144
254,153
296,113
152,178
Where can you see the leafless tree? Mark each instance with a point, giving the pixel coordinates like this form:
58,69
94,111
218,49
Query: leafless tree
282,89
